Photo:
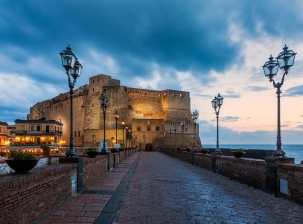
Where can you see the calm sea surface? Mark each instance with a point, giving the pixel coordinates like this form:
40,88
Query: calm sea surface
291,150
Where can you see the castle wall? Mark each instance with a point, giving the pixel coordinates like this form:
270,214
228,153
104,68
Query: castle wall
171,106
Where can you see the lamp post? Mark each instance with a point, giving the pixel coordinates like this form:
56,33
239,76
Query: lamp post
195,116
284,60
166,133
182,123
216,104
73,69
130,138
104,103
175,129
123,126
126,131
170,131
116,113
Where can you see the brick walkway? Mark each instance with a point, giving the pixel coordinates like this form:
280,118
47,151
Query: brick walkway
162,189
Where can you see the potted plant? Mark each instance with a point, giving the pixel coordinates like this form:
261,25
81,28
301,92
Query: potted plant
204,150
46,149
92,152
238,153
21,162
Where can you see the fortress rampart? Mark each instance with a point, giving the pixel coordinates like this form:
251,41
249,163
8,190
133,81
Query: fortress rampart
171,106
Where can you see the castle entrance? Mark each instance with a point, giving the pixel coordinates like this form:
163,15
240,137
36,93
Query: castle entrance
148,147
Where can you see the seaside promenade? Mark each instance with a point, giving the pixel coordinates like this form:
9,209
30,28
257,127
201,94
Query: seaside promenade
150,187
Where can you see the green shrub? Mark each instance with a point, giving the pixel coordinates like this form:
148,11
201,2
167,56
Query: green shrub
92,150
20,155
239,150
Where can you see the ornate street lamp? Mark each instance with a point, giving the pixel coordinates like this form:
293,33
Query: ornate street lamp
123,127
175,129
216,104
116,113
195,116
73,69
182,123
284,60
104,103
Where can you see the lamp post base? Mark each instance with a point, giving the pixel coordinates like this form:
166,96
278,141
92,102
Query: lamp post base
71,153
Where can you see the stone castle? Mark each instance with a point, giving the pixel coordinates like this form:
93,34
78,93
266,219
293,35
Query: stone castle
148,115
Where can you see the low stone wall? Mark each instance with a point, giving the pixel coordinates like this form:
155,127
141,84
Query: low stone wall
247,171
93,168
292,179
257,173
25,198
203,161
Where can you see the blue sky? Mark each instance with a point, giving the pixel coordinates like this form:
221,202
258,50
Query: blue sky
204,47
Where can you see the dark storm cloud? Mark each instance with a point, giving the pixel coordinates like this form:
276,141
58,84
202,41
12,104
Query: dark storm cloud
294,91
192,37
137,33
139,36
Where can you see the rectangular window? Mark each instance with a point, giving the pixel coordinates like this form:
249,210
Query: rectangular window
94,137
157,128
22,128
47,128
186,129
78,133
148,128
0,129
38,128
75,133
138,128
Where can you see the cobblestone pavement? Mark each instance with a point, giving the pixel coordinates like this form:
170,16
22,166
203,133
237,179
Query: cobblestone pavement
151,187
166,190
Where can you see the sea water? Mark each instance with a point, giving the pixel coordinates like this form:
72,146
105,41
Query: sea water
291,150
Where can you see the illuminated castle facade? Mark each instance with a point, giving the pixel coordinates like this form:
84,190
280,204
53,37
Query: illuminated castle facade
148,114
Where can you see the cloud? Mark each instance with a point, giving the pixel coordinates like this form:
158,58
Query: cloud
294,91
300,126
231,94
230,119
208,135
257,88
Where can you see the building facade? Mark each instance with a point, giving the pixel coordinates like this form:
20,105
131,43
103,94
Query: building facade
3,134
36,132
147,114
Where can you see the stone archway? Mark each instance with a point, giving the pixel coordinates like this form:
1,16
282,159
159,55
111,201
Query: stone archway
148,147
